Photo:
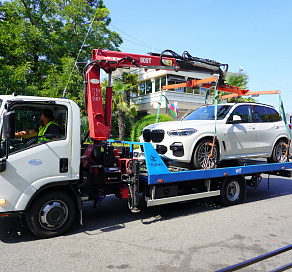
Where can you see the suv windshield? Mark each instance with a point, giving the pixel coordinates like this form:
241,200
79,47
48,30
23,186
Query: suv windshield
207,113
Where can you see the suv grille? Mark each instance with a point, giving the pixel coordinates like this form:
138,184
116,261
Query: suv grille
146,135
156,135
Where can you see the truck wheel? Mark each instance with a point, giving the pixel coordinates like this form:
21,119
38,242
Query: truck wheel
51,214
201,153
279,152
232,191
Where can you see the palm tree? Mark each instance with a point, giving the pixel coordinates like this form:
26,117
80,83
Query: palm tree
122,106
240,81
130,78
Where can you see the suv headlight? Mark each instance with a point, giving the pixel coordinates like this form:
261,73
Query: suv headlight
182,132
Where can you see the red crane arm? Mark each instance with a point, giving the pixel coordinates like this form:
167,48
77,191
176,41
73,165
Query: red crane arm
99,128
109,61
100,121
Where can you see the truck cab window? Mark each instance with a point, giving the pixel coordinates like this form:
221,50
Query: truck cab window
36,124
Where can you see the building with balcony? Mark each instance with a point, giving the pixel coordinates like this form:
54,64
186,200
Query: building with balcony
151,93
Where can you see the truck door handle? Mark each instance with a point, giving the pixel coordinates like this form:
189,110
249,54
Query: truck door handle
63,165
276,127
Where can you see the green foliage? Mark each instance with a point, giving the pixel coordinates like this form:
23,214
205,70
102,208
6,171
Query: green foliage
241,81
237,80
27,119
130,78
124,108
40,41
138,127
84,124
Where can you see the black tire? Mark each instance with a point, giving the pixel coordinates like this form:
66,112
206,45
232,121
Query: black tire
51,214
200,155
279,151
233,191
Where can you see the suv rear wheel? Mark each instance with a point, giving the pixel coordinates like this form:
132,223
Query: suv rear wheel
279,152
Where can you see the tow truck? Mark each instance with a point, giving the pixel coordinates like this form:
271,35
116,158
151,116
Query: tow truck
47,182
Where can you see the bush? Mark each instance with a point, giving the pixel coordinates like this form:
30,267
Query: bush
84,124
138,127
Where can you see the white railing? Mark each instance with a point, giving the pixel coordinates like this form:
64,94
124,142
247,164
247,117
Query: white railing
172,96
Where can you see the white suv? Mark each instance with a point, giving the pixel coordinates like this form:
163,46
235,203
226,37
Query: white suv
243,130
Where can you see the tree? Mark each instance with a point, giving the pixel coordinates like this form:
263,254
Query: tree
130,78
40,41
121,107
240,81
124,108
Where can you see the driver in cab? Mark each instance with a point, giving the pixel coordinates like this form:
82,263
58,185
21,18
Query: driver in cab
48,126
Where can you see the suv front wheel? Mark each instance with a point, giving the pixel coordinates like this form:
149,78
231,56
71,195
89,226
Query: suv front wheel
201,155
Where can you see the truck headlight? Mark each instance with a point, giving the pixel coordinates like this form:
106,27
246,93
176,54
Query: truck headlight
182,132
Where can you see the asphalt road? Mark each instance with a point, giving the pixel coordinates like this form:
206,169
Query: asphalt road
192,236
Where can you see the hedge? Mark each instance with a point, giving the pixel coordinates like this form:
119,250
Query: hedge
138,127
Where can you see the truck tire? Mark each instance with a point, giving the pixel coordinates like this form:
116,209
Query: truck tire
233,191
201,153
279,151
51,214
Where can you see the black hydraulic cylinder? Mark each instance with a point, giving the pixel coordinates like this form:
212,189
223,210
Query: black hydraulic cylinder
136,172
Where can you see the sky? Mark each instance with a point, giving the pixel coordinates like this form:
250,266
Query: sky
255,35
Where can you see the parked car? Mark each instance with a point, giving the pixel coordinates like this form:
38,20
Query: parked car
243,130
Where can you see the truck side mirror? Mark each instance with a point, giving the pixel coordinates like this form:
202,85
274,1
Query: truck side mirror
9,125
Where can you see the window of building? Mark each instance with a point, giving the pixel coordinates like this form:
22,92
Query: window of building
145,87
193,90
142,88
172,79
148,86
159,82
163,81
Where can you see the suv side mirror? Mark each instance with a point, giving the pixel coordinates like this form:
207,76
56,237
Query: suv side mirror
9,125
236,119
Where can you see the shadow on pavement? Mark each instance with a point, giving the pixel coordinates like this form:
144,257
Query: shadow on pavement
113,214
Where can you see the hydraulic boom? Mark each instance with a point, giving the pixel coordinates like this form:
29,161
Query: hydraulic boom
109,61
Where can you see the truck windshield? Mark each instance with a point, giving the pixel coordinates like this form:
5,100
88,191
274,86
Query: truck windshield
207,113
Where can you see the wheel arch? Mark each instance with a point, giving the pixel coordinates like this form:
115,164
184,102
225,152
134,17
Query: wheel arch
63,186
282,137
209,137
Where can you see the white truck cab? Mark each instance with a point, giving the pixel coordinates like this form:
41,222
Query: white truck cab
29,166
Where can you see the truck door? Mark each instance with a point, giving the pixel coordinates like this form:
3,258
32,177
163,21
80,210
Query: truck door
33,163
